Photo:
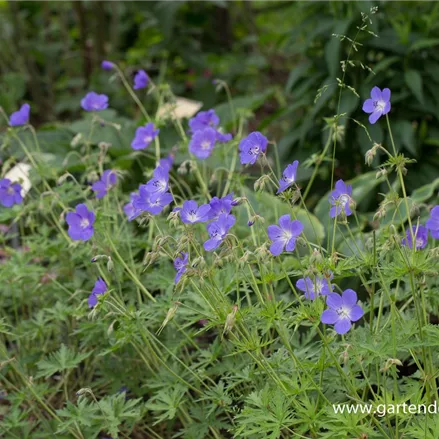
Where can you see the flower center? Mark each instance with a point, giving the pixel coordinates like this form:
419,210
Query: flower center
343,312
205,145
254,150
287,235
419,242
84,223
10,190
379,105
344,199
147,139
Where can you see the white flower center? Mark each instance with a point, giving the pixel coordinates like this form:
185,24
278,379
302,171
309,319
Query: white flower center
419,242
379,105
344,199
205,145
10,190
287,235
318,286
255,150
343,312
147,139
84,223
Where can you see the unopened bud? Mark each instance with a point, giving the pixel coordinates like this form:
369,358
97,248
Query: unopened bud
381,173
110,264
75,141
260,183
169,316
316,257
389,363
238,201
230,320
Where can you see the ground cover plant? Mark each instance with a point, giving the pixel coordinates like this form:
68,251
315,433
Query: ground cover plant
210,299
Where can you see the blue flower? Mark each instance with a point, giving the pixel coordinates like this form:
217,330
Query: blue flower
342,310
144,203
251,147
180,264
285,235
107,65
432,223
191,213
288,176
202,143
203,120
420,234
141,80
378,105
144,136
80,223
158,185
340,198
94,102
218,231
130,211
313,288
20,117
10,193
102,186
99,288
220,206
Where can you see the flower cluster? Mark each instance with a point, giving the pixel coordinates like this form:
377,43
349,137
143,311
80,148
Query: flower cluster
205,134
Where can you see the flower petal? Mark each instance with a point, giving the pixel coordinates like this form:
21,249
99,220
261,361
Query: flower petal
329,317
342,326
375,116
386,94
334,301
368,106
356,313
376,94
277,247
349,298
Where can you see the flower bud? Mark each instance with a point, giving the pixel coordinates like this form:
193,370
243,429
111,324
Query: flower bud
316,257
230,320
238,201
110,264
76,140
169,316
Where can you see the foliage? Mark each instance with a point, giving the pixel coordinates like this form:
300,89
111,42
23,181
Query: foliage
232,348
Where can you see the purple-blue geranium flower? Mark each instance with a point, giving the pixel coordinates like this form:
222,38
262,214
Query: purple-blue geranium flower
432,223
167,162
288,176
420,233
144,136
80,223
107,65
180,264
342,310
10,193
130,211
144,202
190,213
99,288
107,181
202,120
285,235
94,102
220,206
378,105
218,231
251,147
202,143
314,287
158,185
141,80
340,198
20,117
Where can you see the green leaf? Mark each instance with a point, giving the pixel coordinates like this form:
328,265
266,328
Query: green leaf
413,80
60,361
